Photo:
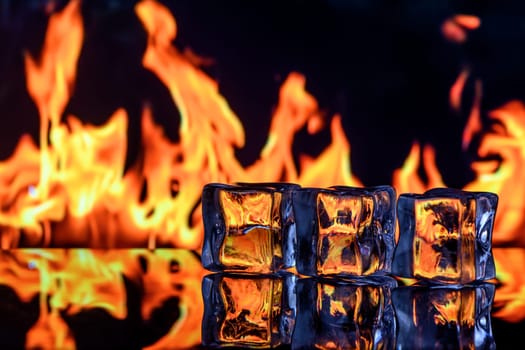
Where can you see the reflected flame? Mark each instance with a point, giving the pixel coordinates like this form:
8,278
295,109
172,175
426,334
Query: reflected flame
71,281
448,310
72,190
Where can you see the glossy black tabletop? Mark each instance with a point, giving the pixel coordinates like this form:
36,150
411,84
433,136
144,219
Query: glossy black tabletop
153,299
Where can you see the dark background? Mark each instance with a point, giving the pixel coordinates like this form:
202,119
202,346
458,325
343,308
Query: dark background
383,65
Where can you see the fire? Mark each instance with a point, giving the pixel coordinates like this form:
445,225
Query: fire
72,189
499,167
81,186
70,281
50,81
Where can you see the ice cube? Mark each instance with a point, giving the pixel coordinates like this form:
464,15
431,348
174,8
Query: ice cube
444,316
445,235
345,314
248,310
345,230
248,227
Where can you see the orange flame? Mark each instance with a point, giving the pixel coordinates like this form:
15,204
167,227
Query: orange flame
499,167
456,28
509,301
72,280
406,179
82,187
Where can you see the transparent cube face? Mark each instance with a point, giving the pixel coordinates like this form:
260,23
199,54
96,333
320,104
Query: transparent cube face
248,227
445,236
345,230
444,239
251,229
342,220
445,317
247,311
346,315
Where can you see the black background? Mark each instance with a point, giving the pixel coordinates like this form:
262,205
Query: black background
383,65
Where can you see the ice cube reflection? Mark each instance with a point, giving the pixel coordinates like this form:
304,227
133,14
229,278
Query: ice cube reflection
444,316
345,314
248,311
376,312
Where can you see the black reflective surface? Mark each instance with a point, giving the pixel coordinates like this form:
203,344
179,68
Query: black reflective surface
249,311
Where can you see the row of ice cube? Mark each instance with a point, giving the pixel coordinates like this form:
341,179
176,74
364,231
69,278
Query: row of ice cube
442,235
258,311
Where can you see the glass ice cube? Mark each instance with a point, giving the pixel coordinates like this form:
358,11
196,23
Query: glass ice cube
248,227
345,314
445,235
444,316
345,230
248,310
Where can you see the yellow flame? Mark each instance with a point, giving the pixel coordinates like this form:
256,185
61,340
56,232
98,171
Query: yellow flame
50,81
